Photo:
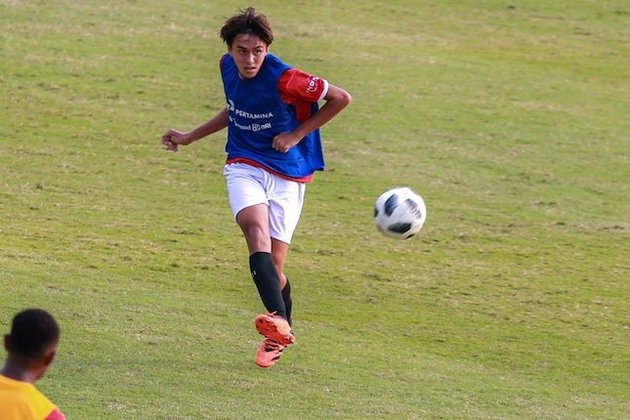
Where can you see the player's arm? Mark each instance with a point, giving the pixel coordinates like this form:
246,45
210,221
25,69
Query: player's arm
336,100
173,138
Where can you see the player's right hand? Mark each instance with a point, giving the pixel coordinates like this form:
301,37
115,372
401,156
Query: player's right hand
172,138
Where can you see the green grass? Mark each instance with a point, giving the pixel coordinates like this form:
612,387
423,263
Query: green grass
510,118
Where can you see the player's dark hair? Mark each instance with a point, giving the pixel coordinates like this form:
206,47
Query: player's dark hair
247,22
33,331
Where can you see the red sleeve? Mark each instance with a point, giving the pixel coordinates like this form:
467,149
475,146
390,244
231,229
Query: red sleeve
55,415
298,84
301,90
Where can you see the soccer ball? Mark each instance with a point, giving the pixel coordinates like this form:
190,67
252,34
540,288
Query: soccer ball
400,213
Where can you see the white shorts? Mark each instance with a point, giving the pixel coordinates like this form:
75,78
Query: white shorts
248,185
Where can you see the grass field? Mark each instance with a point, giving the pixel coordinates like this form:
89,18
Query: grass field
510,118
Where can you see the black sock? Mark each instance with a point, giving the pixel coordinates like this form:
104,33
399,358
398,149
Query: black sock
266,278
288,303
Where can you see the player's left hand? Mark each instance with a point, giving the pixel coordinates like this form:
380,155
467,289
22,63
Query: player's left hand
284,141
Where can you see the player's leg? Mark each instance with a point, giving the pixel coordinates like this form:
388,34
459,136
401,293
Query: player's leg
248,199
279,251
285,205
286,200
249,204
254,223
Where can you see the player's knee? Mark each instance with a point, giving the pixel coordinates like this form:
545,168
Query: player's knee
283,280
257,238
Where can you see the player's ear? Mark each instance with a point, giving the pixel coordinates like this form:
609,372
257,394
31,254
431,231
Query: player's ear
46,361
7,343
50,356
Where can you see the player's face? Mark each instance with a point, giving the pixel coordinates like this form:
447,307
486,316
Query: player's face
249,53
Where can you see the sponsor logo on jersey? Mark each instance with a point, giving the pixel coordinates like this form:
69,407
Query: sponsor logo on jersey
312,84
245,114
250,127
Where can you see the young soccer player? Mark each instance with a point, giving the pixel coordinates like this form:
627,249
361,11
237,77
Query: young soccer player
31,348
273,149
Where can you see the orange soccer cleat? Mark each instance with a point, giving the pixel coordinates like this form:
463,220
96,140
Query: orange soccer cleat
275,328
268,353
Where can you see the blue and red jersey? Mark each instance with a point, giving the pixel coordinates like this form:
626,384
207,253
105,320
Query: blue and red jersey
278,99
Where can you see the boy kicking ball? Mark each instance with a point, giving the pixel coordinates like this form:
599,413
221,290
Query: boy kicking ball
273,150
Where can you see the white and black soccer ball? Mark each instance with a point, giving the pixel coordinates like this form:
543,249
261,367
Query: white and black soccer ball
400,213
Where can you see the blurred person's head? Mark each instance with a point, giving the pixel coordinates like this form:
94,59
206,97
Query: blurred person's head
31,345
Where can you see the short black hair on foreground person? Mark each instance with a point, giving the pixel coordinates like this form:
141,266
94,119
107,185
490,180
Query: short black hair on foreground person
247,22
33,331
